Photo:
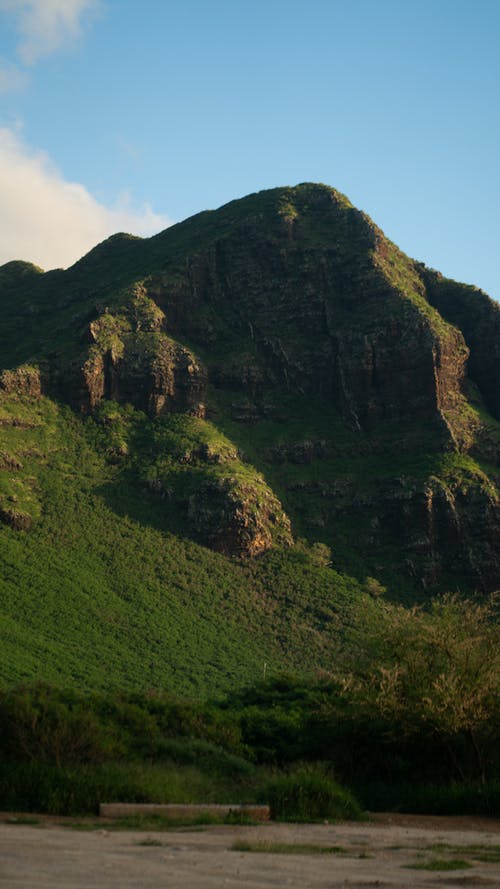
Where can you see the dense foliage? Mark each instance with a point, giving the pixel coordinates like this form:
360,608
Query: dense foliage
416,706
229,455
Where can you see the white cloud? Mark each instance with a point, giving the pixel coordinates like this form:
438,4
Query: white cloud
52,222
46,26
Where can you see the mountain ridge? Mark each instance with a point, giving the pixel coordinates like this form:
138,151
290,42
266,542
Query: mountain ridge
273,377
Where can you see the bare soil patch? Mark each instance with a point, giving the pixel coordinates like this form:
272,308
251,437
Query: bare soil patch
389,851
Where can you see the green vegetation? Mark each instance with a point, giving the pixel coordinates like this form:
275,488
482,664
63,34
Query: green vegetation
432,797
112,586
489,853
409,721
158,823
440,864
309,793
437,673
210,561
79,789
114,306
486,854
287,848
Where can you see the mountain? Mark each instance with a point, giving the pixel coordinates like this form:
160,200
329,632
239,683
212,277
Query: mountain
218,443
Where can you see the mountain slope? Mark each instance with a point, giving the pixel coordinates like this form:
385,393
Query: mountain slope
271,372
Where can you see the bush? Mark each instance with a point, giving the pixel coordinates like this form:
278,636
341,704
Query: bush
47,725
206,756
79,789
57,790
431,799
425,685
309,793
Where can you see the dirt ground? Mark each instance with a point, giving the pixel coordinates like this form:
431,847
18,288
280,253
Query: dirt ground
379,853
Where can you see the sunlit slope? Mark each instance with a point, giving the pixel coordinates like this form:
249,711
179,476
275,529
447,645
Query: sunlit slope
101,592
219,443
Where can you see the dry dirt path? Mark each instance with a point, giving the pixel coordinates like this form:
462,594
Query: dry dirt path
376,854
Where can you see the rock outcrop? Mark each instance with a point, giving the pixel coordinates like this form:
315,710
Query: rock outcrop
19,521
445,526
131,359
238,518
478,318
24,380
348,371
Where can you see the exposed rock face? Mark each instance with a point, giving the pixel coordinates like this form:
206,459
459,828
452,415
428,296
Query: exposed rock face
324,315
478,317
238,518
325,349
24,380
308,298
9,462
156,375
300,452
448,526
131,360
19,521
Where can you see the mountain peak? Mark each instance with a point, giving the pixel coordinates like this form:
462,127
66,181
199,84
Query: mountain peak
291,324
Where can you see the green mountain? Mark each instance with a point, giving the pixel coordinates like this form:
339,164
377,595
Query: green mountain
218,445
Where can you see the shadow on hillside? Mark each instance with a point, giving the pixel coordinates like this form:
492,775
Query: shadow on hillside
129,498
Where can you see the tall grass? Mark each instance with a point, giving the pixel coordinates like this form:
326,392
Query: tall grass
79,789
431,799
309,793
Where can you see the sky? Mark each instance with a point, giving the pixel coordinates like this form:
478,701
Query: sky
119,115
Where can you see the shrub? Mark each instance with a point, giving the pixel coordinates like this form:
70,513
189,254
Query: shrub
79,789
204,755
46,725
431,799
309,793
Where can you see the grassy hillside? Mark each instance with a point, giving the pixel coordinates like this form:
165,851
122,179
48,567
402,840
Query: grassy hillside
272,423
107,591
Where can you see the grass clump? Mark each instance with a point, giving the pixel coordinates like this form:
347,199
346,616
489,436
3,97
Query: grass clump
79,789
484,852
288,848
161,823
150,841
486,855
440,864
309,793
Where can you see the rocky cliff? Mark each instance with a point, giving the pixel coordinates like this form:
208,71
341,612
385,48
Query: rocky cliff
358,389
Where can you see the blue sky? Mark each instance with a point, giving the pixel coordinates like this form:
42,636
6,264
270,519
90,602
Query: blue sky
116,114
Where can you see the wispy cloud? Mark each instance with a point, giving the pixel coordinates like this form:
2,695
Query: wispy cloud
11,78
46,26
52,222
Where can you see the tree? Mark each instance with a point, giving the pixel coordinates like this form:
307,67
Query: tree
434,672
